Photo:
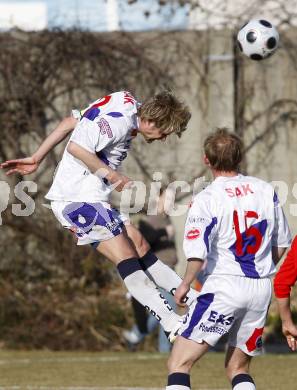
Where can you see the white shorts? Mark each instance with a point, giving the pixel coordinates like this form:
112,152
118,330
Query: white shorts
233,305
90,222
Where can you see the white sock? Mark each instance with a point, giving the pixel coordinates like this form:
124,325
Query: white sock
245,386
147,293
164,276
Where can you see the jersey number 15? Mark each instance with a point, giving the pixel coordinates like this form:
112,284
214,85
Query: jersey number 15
251,232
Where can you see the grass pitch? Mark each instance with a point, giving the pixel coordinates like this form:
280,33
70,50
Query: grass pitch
123,371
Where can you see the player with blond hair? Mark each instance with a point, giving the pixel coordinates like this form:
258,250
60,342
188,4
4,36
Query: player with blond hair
101,137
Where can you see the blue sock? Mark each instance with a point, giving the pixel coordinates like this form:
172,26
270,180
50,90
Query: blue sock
243,382
178,381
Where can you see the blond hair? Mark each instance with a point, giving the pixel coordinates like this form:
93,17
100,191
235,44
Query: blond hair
169,114
223,150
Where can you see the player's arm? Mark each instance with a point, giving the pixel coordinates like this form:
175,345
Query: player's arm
281,236
284,280
98,167
194,266
288,327
200,223
277,253
287,274
25,166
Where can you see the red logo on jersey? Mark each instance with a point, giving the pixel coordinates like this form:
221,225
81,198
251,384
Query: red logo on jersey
193,234
255,341
128,98
243,190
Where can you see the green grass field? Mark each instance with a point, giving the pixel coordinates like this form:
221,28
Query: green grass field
93,371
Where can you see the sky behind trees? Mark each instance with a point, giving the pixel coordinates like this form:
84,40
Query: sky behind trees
96,15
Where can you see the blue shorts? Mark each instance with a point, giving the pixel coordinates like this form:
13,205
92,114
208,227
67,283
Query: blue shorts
90,222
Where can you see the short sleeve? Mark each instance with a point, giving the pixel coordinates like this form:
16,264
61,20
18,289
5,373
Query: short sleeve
281,236
200,229
287,274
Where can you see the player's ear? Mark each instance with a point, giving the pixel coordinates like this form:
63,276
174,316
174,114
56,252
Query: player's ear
206,161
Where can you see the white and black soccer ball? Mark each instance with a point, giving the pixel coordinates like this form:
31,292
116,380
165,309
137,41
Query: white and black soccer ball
258,39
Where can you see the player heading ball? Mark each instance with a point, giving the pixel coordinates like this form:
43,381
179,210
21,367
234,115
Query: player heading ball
100,140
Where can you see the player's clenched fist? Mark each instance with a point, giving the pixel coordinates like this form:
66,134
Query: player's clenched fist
181,293
119,182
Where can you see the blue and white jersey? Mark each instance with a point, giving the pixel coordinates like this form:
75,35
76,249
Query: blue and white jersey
106,128
234,223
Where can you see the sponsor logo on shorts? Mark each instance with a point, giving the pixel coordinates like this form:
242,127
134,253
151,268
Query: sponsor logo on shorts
212,329
218,318
193,234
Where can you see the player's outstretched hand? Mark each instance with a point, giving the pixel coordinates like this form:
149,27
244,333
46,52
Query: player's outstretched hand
180,294
290,332
23,166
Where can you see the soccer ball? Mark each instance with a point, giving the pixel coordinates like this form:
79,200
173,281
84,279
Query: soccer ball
258,39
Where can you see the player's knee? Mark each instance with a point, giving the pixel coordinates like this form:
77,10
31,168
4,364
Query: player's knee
141,245
144,247
139,242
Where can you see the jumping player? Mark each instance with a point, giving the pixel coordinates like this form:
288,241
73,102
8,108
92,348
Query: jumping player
87,174
237,224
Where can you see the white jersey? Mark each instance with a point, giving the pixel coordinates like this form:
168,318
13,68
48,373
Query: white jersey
106,128
234,223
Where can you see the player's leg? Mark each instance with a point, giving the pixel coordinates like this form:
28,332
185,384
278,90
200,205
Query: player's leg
121,253
205,323
245,339
102,226
237,368
182,358
160,273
